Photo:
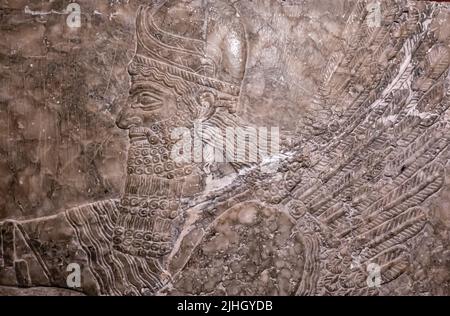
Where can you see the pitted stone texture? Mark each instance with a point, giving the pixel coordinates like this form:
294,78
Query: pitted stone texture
363,169
250,250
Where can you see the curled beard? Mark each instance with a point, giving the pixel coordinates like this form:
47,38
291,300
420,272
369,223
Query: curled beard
149,208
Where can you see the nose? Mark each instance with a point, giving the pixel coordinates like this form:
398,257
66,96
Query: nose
127,119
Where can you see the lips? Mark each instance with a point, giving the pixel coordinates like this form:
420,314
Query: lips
139,132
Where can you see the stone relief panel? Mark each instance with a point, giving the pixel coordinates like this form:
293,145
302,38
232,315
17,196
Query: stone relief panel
194,147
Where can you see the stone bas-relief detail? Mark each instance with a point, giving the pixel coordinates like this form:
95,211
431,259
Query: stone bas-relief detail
346,208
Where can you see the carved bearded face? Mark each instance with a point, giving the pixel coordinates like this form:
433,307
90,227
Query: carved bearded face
182,72
176,81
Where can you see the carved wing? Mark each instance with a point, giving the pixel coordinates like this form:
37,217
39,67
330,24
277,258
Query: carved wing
365,186
359,190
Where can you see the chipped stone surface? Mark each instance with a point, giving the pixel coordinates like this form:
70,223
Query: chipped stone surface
361,180
251,250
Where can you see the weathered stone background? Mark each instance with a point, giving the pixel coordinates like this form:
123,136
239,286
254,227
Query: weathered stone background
60,89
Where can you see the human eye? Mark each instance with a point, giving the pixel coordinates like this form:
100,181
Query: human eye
146,98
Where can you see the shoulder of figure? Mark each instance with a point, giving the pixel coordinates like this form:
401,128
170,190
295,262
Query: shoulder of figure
106,209
103,204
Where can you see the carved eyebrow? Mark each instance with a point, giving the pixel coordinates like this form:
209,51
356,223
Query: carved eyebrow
137,69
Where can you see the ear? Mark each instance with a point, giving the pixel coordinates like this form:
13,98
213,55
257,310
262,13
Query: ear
206,101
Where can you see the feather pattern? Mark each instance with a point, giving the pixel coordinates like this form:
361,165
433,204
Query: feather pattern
369,186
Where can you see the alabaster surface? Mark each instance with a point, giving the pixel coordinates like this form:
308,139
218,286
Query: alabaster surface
352,197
